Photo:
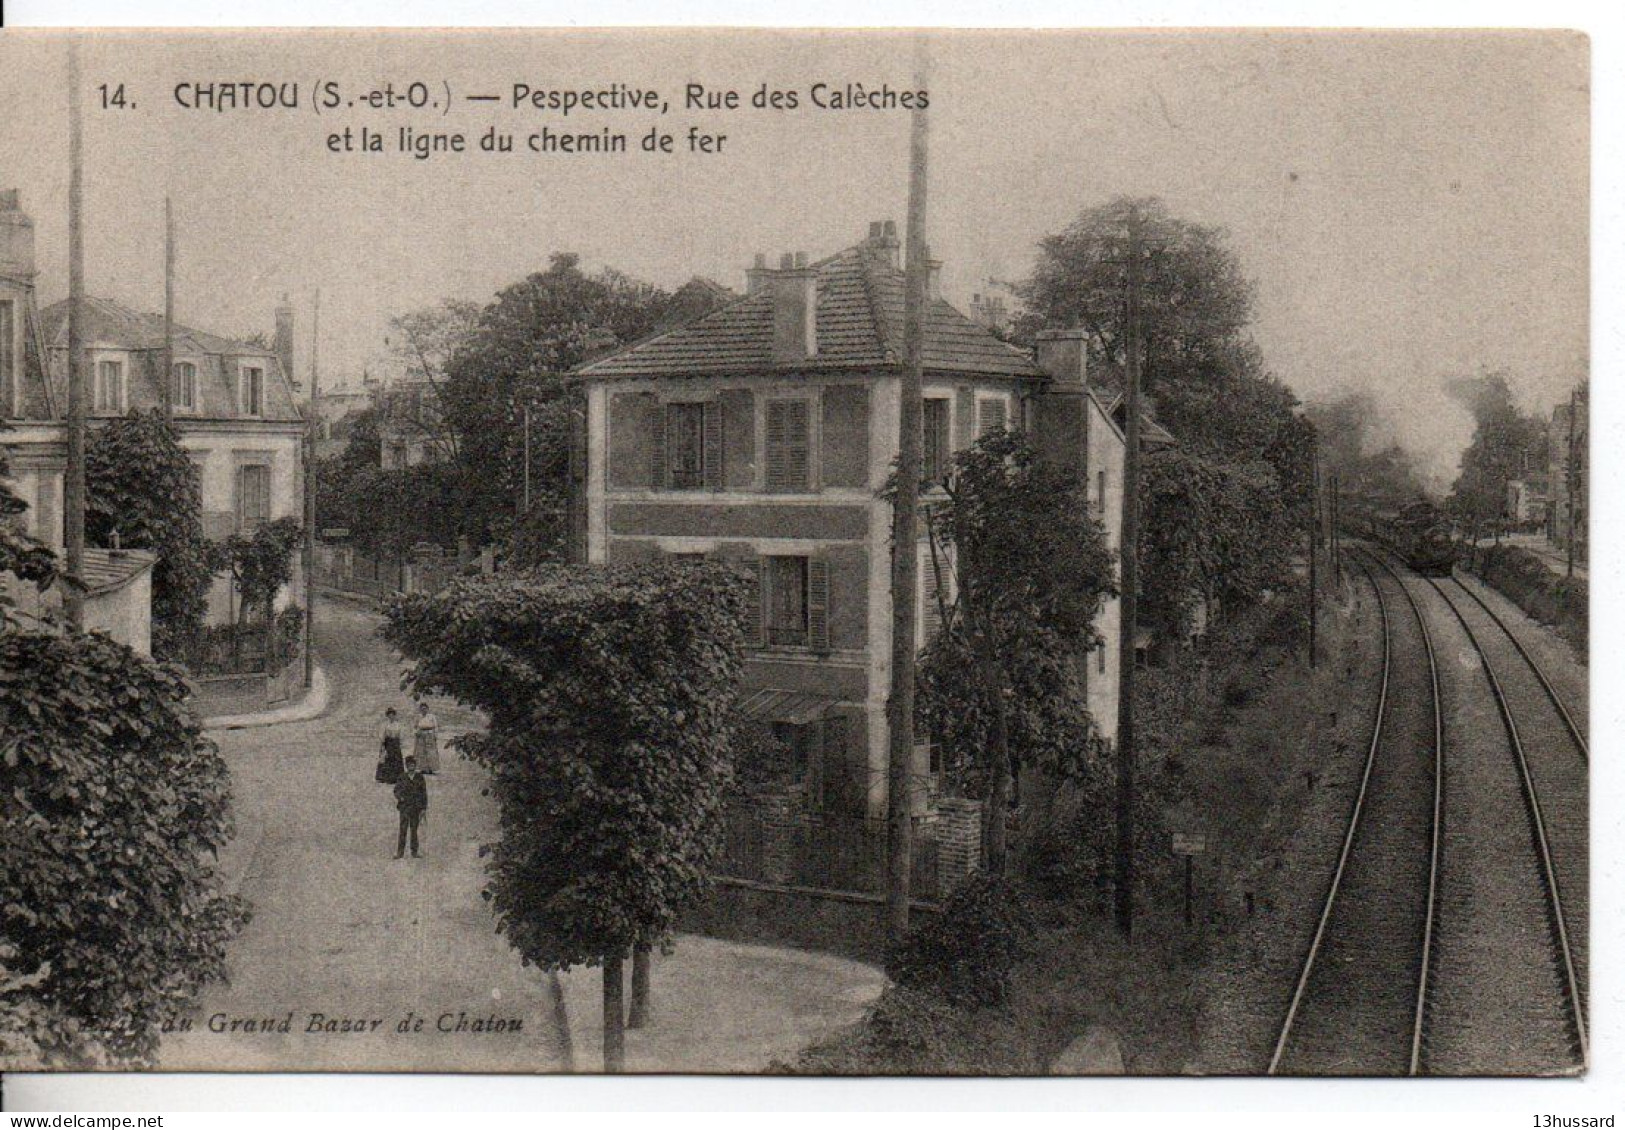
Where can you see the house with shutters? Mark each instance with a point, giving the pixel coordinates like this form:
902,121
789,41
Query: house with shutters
233,402
763,433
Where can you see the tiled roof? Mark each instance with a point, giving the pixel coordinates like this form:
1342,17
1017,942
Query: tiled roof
858,324
108,321
105,570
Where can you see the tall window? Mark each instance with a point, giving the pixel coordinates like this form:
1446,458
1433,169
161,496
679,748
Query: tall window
934,464
685,445
789,445
253,398
253,497
183,386
8,360
786,601
109,396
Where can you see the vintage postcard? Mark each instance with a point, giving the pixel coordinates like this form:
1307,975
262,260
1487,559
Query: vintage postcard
812,552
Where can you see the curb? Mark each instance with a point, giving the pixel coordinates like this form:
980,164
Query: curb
313,705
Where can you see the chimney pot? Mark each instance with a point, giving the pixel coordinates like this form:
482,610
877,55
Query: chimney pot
876,231
787,262
761,261
801,260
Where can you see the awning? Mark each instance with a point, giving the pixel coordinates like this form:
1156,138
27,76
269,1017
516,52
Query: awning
798,708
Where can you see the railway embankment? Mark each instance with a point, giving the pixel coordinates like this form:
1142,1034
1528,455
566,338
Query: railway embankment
1560,602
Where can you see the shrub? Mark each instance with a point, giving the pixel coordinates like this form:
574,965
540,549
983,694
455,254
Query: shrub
969,952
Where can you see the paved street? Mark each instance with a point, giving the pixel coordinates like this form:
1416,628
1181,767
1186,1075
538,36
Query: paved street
343,929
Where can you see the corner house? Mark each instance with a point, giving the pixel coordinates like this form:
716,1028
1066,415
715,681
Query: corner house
762,433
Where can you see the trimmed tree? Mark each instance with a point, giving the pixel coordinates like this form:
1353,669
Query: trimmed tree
609,693
1026,567
113,809
261,563
142,486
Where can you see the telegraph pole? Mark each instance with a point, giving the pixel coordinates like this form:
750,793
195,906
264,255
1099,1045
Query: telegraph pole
166,380
1314,545
905,542
73,487
1129,573
1570,474
311,425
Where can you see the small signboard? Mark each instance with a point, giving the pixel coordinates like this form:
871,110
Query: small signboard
336,533
1190,843
428,551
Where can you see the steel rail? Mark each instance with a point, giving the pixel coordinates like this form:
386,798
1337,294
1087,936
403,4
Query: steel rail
1546,684
1531,799
1380,713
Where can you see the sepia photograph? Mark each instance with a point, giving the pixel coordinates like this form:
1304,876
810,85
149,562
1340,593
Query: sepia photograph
795,552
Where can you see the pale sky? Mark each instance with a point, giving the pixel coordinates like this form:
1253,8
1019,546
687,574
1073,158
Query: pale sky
1413,206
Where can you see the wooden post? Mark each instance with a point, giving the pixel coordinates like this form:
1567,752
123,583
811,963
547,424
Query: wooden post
73,486
1314,546
311,426
905,542
1129,570
166,376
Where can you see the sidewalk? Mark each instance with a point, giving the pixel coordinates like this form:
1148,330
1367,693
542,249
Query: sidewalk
312,705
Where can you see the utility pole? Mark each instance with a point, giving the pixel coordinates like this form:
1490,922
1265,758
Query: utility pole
1336,533
73,487
166,380
1571,476
905,541
524,509
1314,545
1129,571
311,426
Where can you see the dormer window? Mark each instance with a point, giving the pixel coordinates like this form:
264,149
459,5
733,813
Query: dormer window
109,390
183,386
252,396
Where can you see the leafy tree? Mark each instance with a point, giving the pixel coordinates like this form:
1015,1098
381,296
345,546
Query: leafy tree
1203,373
113,808
1506,445
1001,684
610,696
261,563
20,555
141,486
424,341
517,355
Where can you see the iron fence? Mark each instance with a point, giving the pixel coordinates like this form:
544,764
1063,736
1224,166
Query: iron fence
826,851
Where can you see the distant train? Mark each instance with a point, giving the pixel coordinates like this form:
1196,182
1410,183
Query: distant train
1417,531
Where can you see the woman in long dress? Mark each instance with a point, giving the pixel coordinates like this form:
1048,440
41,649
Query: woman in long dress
426,740
389,749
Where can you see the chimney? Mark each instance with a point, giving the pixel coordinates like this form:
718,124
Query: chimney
1060,413
282,343
16,238
933,277
882,242
758,275
795,310
1063,354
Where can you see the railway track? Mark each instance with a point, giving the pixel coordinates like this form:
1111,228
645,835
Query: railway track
1359,1004
1550,756
1506,991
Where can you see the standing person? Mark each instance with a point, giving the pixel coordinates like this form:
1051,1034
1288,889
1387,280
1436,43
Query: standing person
412,802
389,749
426,740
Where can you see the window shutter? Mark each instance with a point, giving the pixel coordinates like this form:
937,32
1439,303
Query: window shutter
660,440
991,415
711,448
818,604
787,444
756,606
